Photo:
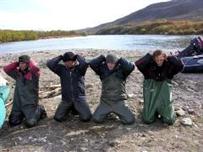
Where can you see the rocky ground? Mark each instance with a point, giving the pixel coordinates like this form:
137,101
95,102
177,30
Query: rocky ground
185,135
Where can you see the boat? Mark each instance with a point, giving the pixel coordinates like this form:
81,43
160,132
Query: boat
4,94
193,64
192,56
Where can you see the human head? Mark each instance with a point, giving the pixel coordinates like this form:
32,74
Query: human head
159,57
23,62
69,59
111,61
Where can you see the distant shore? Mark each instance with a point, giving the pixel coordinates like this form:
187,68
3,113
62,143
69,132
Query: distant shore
24,35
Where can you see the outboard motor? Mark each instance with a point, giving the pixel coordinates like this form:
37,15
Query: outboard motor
195,48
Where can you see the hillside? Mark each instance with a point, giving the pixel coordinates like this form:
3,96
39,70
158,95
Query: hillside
175,10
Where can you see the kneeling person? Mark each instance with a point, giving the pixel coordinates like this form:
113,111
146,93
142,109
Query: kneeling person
113,73
25,102
71,75
158,70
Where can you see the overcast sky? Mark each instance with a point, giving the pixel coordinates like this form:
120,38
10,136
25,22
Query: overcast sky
64,14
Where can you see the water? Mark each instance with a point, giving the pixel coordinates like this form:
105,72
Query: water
110,42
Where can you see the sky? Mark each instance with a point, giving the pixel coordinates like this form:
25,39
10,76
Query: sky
65,14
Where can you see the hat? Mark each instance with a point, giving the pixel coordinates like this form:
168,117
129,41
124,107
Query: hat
110,58
24,58
69,56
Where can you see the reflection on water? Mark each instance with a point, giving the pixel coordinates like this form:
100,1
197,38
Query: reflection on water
111,42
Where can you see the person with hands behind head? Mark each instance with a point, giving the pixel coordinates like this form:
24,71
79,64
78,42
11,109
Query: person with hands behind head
71,74
25,101
113,73
158,70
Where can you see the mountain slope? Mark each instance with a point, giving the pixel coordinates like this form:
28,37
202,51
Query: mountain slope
176,9
172,10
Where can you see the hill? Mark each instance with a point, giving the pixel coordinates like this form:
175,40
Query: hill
190,11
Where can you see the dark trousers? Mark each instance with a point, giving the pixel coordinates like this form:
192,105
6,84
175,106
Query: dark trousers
118,108
31,113
80,107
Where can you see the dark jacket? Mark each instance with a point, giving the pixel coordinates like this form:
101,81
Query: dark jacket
123,67
72,81
27,84
148,67
113,81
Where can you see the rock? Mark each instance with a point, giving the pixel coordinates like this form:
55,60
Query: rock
180,112
49,94
191,111
19,138
131,95
84,149
114,143
89,86
141,101
57,98
186,122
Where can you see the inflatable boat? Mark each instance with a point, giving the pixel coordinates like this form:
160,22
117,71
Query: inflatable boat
193,64
4,93
192,56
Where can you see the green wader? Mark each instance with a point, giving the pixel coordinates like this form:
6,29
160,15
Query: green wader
158,101
112,100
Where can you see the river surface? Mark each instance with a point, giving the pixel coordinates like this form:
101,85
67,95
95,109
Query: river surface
110,42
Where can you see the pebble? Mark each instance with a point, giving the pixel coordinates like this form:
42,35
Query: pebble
191,111
89,86
131,95
186,122
141,101
180,112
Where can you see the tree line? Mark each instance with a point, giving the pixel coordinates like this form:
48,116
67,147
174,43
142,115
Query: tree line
12,35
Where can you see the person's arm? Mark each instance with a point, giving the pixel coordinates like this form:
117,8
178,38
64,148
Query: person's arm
35,80
176,65
34,68
11,69
53,64
142,63
83,65
96,63
126,66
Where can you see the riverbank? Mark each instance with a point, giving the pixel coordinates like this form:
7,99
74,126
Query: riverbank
25,35
73,135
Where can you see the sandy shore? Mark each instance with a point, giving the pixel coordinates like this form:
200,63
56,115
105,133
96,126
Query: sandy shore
73,135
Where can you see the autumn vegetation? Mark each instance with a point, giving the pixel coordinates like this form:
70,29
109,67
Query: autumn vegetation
166,27
12,35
